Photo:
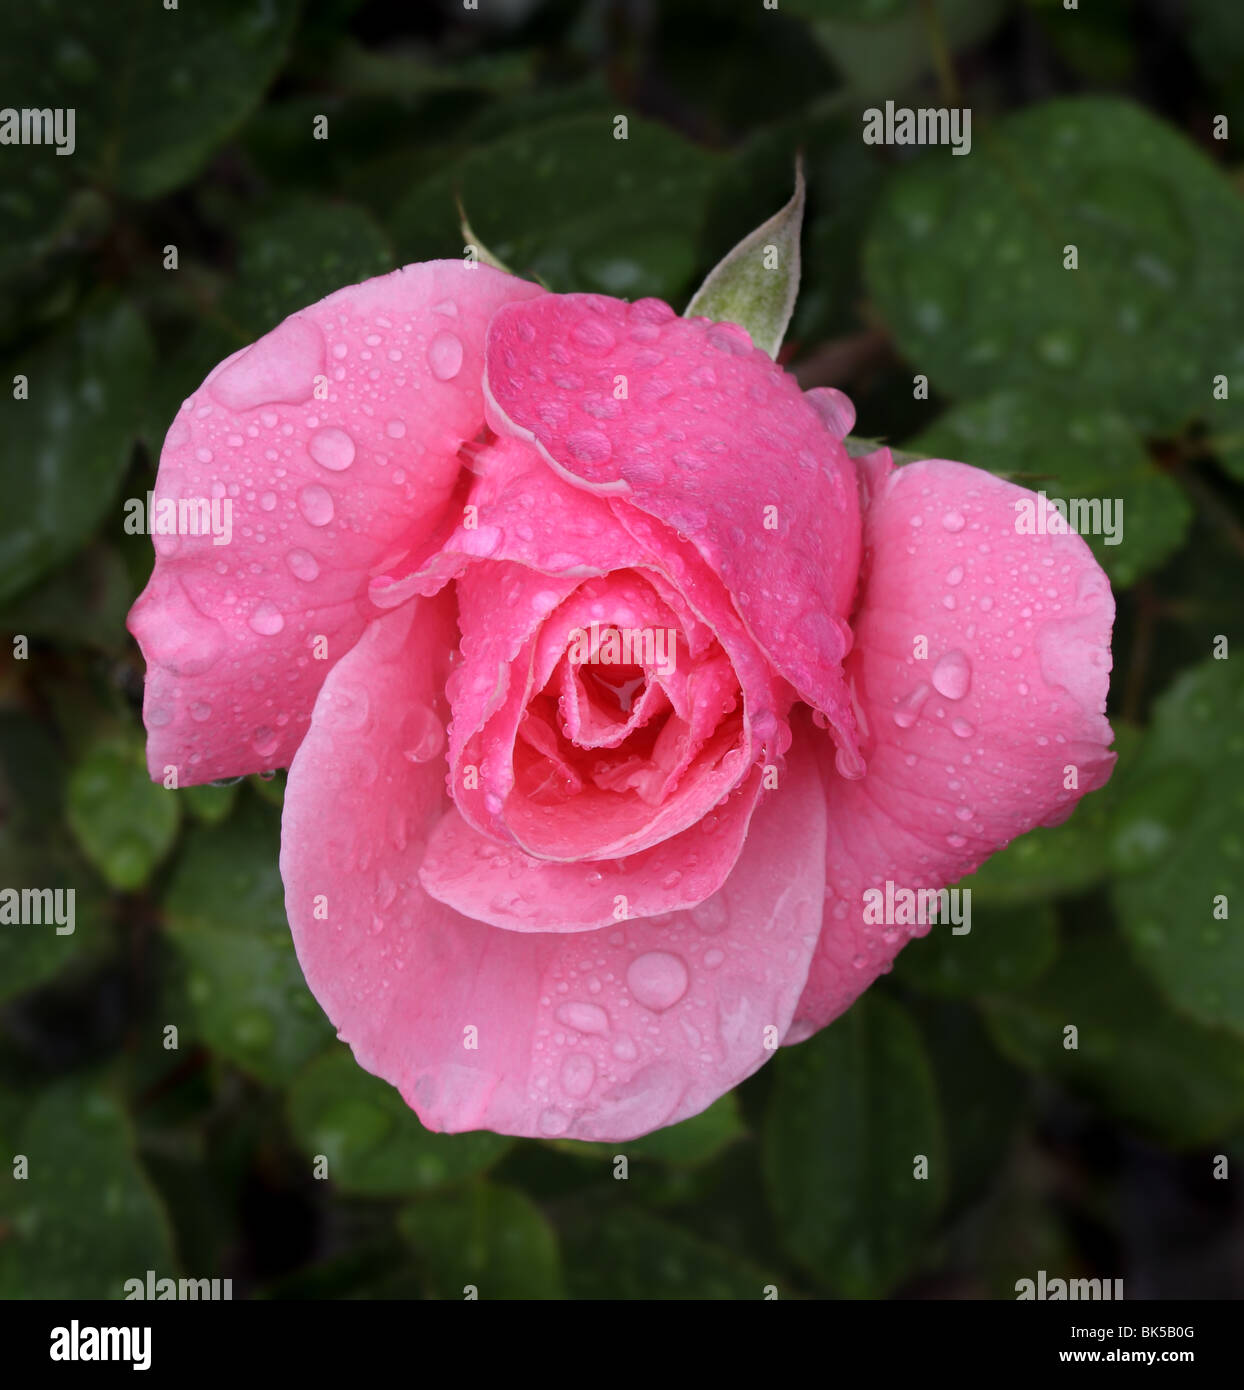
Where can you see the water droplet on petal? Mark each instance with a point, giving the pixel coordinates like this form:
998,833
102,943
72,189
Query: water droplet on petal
583,1017
280,367
267,619
303,565
332,449
316,504
657,979
445,356
952,676
428,736
578,1073
908,709
593,335
588,446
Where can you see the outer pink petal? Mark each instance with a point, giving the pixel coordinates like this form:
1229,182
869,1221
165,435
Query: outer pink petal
969,747
710,437
322,492
600,1035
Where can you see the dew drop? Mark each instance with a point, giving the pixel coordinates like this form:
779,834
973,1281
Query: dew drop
583,1017
332,449
588,446
952,676
267,619
445,356
303,565
316,504
578,1073
657,979
908,709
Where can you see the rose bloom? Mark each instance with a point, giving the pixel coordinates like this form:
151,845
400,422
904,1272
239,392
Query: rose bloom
608,684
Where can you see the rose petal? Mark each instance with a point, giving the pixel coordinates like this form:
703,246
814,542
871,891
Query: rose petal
500,884
321,490
969,747
598,1035
710,437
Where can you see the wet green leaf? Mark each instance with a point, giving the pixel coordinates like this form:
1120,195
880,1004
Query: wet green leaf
489,1238
373,1141
852,1109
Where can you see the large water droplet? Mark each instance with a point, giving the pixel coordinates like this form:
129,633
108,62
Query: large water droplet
657,979
592,335
303,565
952,676
445,356
316,504
578,1073
583,1017
332,449
588,446
282,366
427,735
267,619
907,711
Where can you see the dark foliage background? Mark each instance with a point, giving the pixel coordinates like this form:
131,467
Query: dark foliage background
195,129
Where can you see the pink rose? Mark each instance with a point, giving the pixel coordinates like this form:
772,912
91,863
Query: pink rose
608,684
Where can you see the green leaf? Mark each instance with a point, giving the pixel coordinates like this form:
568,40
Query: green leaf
1007,947
155,90
756,284
1178,846
691,1142
374,1143
86,1218
882,46
1171,1077
983,1095
225,910
297,254
210,804
36,853
73,433
1070,452
124,822
489,1237
567,203
966,263
1052,861
83,604
631,1254
851,1109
